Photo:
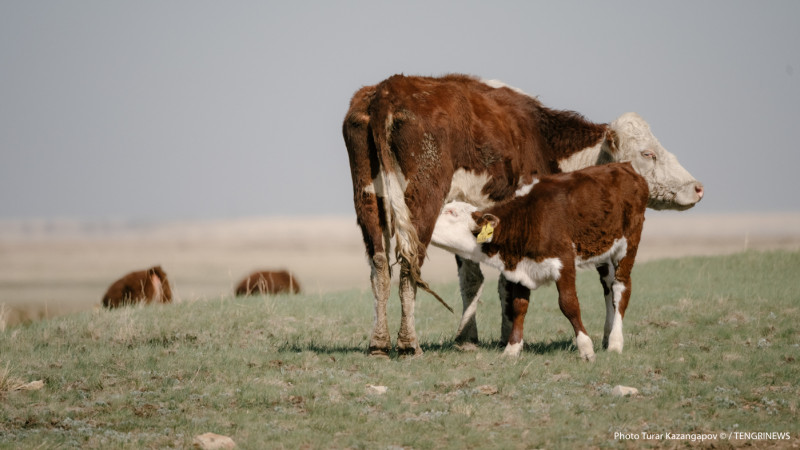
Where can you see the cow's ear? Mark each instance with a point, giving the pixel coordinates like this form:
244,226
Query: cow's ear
610,148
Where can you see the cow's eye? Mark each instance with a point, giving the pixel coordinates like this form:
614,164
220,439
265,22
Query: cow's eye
649,154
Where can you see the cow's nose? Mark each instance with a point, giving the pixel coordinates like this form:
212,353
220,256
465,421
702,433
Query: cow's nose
698,188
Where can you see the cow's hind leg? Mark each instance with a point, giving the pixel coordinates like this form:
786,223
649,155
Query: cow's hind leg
380,343
470,281
568,302
620,295
407,343
607,274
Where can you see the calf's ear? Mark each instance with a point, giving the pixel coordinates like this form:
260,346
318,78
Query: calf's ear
492,219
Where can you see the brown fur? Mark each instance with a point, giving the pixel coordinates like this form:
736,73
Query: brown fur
569,216
137,287
268,282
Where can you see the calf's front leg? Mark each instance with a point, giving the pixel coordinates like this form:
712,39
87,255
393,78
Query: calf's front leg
568,302
515,308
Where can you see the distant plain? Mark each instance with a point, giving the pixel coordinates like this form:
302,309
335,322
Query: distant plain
50,268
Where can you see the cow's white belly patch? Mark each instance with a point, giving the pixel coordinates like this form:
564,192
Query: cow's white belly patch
528,272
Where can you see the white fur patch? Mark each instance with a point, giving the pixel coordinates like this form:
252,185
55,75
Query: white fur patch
611,257
615,339
584,344
524,189
581,159
468,187
529,273
497,84
513,350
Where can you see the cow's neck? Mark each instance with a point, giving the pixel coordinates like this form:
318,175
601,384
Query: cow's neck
573,142
582,159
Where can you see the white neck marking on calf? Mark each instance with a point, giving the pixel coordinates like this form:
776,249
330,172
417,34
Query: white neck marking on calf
497,84
524,189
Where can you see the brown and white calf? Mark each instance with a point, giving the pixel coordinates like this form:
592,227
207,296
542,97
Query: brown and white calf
416,143
588,218
148,286
268,282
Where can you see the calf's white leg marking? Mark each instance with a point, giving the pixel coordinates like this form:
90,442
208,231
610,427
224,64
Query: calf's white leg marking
615,337
584,344
513,350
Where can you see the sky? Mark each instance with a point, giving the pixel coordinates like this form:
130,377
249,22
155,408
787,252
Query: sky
192,109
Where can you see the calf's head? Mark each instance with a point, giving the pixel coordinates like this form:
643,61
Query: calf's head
461,229
671,186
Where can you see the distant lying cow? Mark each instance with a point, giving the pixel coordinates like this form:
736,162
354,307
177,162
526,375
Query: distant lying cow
588,218
148,286
268,282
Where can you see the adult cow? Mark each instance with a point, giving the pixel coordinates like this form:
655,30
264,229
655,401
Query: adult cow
415,143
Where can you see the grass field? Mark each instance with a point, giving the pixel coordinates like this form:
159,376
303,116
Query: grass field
711,343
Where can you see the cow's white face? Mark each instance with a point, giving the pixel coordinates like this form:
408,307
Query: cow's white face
671,186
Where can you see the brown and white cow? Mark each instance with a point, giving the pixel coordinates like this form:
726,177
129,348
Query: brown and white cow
268,282
415,143
588,218
148,286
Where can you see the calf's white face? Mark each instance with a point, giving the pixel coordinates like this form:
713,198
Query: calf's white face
671,186
454,231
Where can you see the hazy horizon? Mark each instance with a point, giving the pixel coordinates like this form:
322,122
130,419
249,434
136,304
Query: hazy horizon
197,110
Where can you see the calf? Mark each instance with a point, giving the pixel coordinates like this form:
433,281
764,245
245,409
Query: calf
147,286
588,218
268,282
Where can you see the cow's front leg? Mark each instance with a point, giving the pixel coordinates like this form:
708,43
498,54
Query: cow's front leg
470,281
407,343
380,278
516,307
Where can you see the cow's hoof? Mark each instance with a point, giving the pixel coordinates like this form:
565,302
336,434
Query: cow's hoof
589,358
379,353
409,351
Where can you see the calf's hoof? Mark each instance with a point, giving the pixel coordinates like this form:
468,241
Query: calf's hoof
513,350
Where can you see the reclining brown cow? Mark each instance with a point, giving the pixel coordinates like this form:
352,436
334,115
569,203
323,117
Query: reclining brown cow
268,282
148,286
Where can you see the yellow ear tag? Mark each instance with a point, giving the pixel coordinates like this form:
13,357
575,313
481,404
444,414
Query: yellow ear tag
486,233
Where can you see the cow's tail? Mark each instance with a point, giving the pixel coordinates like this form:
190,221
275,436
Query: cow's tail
408,246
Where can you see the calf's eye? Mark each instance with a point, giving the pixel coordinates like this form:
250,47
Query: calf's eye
649,154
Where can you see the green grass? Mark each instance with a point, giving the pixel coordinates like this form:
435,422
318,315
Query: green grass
712,344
